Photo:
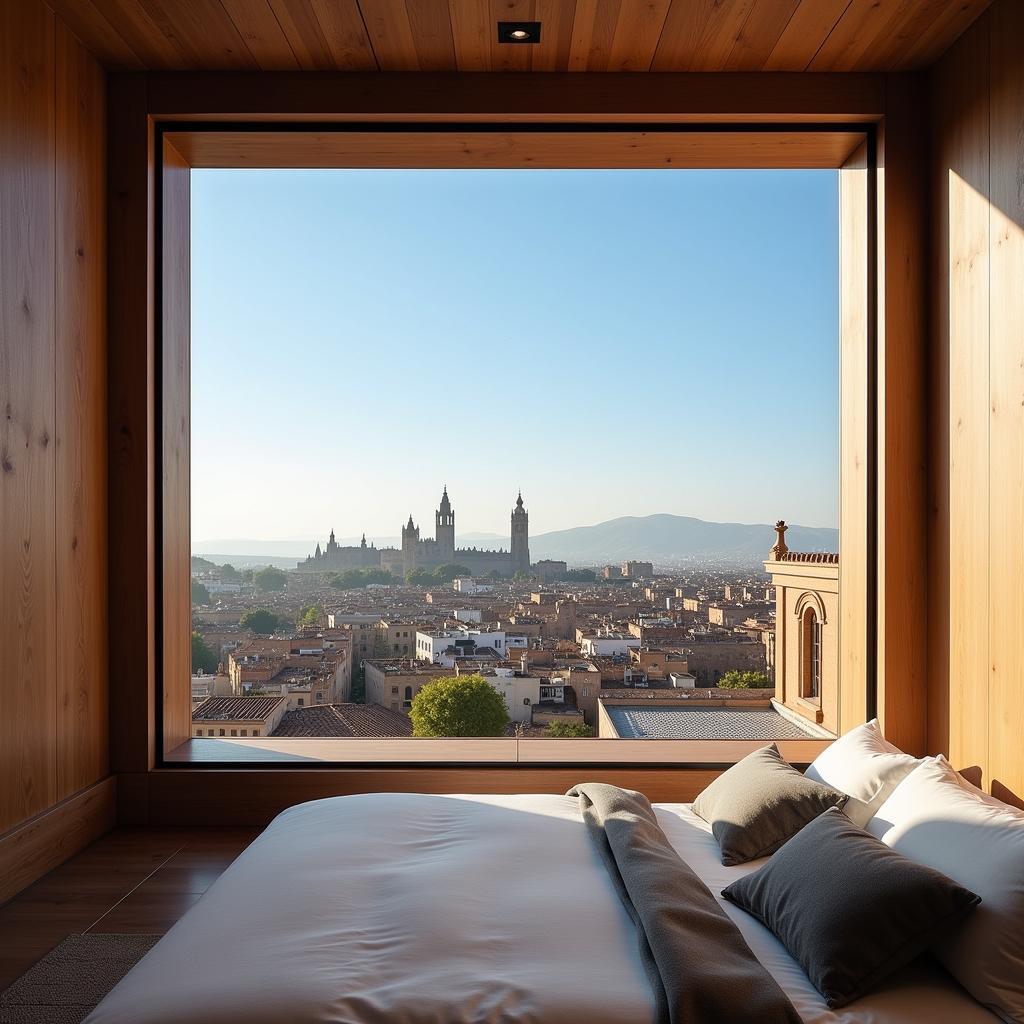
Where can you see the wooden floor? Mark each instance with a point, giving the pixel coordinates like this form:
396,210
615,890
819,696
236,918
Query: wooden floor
132,880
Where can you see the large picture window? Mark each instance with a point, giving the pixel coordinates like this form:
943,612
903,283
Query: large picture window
603,384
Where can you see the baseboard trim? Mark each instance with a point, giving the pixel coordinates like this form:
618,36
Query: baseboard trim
42,843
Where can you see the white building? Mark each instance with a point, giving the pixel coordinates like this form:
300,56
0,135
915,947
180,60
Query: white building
443,646
520,693
608,645
468,614
467,585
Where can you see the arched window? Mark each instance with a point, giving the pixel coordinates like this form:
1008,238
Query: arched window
810,684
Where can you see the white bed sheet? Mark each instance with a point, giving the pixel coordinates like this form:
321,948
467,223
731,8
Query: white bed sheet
415,909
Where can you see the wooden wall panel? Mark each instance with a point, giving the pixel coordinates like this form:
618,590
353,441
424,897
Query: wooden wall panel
175,423
976,620
53,659
902,417
853,439
1006,400
81,378
27,428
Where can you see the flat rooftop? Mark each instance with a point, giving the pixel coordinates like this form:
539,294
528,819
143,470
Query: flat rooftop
661,723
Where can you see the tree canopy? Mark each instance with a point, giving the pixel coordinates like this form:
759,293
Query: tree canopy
270,579
229,574
450,571
356,579
204,659
260,620
736,680
580,576
568,730
200,595
200,564
309,616
458,706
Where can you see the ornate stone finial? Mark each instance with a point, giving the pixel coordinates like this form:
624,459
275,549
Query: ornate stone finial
779,548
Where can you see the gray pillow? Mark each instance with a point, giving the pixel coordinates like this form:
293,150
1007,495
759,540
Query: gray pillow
759,803
850,910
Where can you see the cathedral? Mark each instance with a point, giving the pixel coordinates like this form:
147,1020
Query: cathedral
431,552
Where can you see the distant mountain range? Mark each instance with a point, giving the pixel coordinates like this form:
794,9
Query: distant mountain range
663,539
674,540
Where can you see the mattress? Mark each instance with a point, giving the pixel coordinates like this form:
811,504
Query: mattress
419,909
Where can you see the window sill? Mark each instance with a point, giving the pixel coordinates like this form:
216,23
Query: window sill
327,752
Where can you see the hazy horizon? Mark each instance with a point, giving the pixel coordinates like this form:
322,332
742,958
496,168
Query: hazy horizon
361,338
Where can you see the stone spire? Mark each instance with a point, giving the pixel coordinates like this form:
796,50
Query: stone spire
779,549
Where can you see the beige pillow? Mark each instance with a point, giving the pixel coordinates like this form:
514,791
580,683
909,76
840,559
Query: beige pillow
759,803
864,766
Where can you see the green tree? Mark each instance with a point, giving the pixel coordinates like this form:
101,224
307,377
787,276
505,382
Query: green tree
494,574
309,616
229,574
270,579
202,564
359,685
458,706
356,579
568,730
204,659
260,621
200,595
450,571
419,577
736,680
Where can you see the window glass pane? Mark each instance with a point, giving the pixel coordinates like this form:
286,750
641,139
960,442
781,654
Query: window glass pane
507,447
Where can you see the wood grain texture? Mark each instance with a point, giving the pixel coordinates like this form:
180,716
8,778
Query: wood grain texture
175,406
1006,401
965,156
130,469
576,35
81,390
541,96
229,798
902,417
976,612
28,781
853,439
503,150
41,843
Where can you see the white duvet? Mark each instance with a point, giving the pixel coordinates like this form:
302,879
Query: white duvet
416,909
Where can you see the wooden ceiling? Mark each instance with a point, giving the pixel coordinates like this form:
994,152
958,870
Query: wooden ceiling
576,35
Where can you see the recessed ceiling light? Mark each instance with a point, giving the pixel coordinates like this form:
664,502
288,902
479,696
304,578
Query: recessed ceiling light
519,32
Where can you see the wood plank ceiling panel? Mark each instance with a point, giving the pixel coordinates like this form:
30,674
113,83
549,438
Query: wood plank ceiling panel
302,29
344,31
759,33
576,35
262,34
202,32
803,36
391,36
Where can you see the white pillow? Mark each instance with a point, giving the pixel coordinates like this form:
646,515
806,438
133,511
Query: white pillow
865,766
939,819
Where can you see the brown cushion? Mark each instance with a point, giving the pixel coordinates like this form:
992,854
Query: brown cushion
850,910
759,803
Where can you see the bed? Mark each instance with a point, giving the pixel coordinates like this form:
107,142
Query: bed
407,909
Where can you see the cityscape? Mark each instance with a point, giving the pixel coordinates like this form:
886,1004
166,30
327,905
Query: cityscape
361,641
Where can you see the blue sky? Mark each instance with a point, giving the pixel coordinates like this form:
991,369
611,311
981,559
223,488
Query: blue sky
613,342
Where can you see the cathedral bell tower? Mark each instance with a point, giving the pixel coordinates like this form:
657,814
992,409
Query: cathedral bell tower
410,541
520,537
444,529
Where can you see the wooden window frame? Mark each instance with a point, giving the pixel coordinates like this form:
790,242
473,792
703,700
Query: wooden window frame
150,794
181,145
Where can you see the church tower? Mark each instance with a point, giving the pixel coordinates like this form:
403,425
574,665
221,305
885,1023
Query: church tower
520,537
444,529
410,542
